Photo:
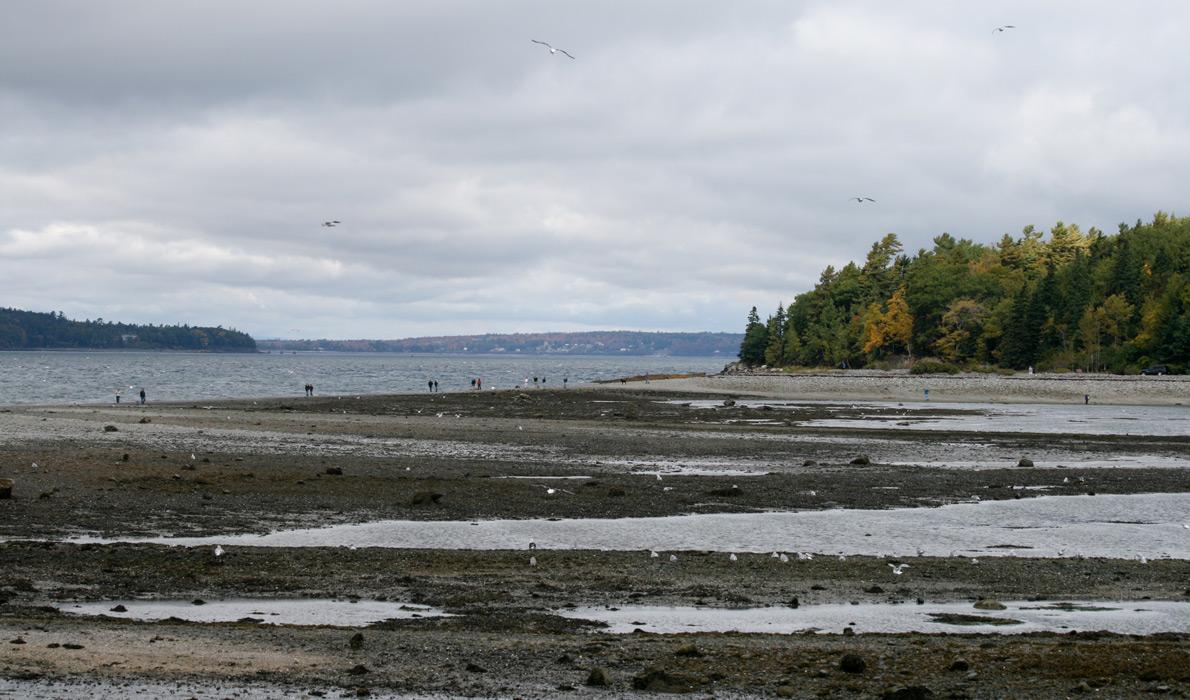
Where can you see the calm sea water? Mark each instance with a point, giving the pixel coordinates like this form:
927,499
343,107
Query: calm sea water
95,377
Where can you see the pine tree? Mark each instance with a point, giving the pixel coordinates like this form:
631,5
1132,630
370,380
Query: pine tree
755,340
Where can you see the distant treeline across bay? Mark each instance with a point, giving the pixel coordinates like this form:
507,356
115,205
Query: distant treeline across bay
580,343
1088,301
32,330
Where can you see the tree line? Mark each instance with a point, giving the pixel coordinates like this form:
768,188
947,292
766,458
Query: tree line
1078,301
33,330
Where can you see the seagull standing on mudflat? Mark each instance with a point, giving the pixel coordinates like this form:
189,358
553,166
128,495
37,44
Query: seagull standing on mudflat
552,49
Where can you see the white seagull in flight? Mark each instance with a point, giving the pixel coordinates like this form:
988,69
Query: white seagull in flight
331,224
861,200
551,48
1003,27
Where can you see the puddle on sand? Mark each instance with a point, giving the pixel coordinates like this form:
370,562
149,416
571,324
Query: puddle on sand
986,417
1114,526
1108,462
337,613
1128,617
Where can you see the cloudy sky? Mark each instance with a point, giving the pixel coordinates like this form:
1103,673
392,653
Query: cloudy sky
166,162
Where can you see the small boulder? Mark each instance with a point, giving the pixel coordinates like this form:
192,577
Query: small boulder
6,488
660,681
616,492
809,463
142,421
334,471
688,650
110,429
912,692
990,604
18,640
599,677
862,459
356,641
1025,462
423,497
475,668
358,670
852,663
728,403
959,665
119,609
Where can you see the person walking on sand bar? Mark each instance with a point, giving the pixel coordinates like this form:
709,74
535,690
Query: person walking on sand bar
1086,399
142,396
927,394
117,396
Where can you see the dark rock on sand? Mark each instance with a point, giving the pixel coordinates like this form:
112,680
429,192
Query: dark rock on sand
862,459
852,663
358,670
959,665
688,650
473,667
1025,462
6,488
110,429
990,604
424,497
334,471
599,677
119,608
18,640
661,681
912,692
356,641
726,492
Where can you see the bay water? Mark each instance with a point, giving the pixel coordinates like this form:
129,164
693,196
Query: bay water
55,377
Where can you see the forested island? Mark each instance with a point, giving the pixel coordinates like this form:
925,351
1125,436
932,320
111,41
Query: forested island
579,343
33,330
1077,301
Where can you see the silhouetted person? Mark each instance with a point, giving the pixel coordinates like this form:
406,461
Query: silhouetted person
142,396
430,384
1086,399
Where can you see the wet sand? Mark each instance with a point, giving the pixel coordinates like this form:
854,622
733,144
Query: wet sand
253,466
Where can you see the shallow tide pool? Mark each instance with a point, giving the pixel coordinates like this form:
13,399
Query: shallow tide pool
338,613
1116,526
1126,617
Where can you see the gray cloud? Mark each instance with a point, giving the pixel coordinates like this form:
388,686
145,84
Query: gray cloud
169,162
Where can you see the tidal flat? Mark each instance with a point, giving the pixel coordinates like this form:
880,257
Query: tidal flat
106,476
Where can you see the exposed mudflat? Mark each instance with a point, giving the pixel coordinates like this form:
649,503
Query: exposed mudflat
615,452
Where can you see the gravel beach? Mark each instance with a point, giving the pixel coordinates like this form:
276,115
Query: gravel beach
621,450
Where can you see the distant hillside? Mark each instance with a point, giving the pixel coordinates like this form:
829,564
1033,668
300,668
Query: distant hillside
32,330
585,343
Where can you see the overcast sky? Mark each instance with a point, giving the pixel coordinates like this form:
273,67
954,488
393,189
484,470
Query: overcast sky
170,162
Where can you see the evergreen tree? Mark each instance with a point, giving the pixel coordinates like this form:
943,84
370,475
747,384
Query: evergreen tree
755,340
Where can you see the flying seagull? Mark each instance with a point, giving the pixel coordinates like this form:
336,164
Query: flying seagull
1003,27
898,569
551,48
861,200
331,224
